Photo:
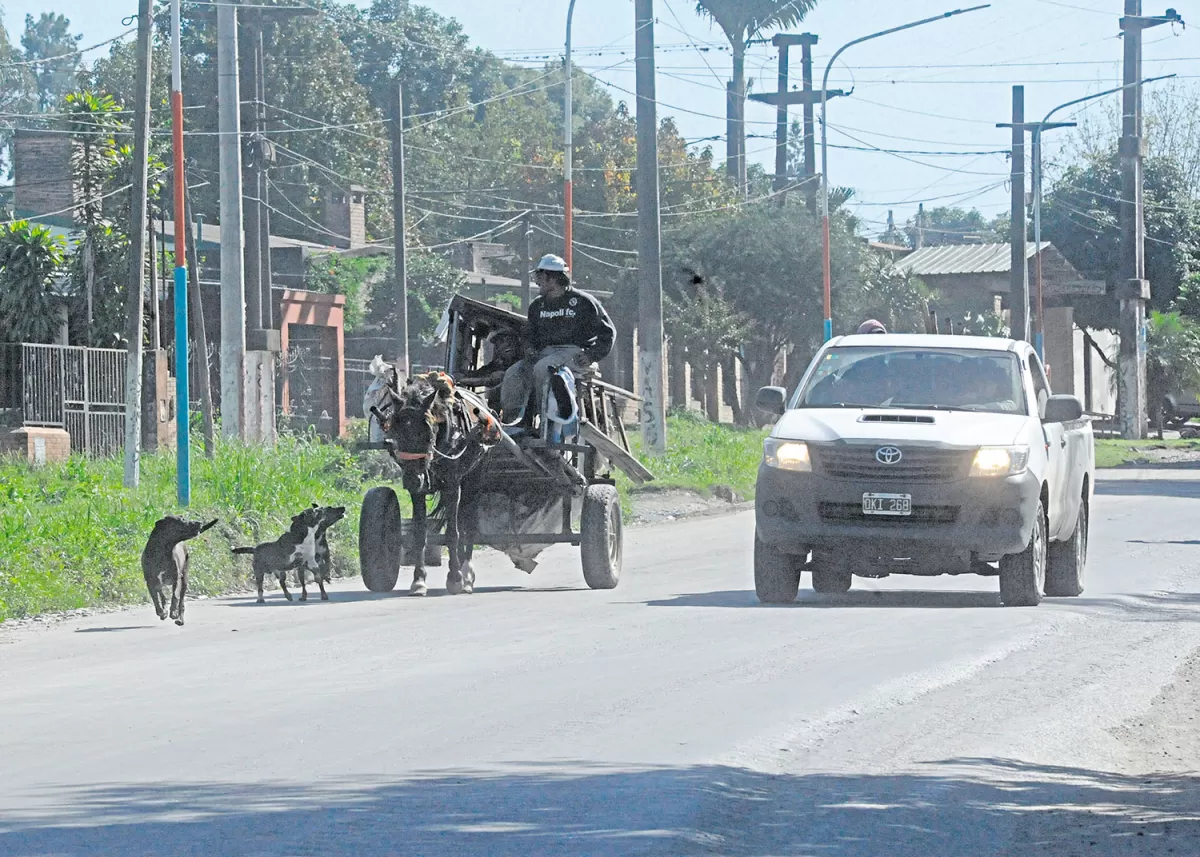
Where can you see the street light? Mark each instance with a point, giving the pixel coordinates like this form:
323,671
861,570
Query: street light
568,148
1036,129
825,150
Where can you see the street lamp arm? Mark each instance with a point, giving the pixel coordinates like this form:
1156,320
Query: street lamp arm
1104,93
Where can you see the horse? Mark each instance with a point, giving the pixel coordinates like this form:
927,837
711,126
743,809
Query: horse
437,434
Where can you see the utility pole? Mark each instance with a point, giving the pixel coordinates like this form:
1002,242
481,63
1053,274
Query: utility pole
199,329
526,259
138,217
782,99
401,253
1019,269
1134,289
650,318
233,283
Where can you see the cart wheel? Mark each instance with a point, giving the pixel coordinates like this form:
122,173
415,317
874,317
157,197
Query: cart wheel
380,539
600,537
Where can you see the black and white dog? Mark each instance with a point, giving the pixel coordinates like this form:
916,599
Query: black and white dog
303,547
165,563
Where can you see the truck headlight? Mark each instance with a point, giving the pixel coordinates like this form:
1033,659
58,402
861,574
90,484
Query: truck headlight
1000,461
787,454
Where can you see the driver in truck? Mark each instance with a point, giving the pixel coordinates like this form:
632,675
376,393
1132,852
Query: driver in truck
566,327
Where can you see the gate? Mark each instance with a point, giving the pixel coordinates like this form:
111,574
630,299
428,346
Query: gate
78,389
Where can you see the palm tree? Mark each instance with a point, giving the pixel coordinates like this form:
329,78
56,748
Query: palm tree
741,21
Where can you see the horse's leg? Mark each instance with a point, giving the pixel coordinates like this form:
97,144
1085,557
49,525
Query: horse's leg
419,587
454,578
468,571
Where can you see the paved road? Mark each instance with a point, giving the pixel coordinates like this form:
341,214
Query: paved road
672,716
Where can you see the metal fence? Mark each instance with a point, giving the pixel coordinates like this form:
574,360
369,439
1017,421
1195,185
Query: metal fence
78,389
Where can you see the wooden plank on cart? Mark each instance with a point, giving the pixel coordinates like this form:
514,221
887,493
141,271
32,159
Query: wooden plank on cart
629,465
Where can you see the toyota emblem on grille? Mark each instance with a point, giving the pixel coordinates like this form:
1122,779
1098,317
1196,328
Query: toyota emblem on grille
888,455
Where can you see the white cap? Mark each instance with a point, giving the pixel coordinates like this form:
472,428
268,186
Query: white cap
550,262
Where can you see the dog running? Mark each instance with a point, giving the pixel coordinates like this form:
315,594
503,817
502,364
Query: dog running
303,547
165,563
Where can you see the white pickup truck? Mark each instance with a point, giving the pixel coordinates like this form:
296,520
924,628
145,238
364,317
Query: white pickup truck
926,455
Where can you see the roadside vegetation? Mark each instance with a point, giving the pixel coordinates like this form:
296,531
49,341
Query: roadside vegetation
1114,452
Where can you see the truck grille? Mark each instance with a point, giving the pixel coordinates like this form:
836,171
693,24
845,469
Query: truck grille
917,464
920,514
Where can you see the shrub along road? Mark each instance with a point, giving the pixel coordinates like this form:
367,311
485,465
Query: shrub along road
670,716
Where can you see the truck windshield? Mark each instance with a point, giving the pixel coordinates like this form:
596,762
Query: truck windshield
901,377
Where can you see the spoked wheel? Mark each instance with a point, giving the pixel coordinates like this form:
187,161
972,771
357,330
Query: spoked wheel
380,539
601,538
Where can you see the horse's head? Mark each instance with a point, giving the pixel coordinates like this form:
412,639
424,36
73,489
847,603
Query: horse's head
410,418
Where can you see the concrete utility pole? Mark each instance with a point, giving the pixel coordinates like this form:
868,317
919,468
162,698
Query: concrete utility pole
233,284
781,99
199,331
1019,271
650,320
526,249
400,255
568,146
138,217
1134,288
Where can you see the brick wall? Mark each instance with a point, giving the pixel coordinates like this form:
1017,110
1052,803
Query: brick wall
42,174
38,445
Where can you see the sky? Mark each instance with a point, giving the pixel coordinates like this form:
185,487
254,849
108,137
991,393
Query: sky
940,88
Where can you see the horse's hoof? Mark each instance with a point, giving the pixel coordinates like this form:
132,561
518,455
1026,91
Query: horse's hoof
287,595
418,588
179,621
324,597
304,597
455,585
260,600
468,588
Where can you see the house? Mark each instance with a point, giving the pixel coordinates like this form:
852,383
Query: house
976,277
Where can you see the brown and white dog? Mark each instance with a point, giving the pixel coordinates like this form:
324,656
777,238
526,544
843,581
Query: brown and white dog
165,563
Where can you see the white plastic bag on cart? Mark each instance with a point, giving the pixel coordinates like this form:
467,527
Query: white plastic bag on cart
385,374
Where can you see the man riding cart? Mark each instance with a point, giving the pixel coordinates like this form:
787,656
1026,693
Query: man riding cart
566,328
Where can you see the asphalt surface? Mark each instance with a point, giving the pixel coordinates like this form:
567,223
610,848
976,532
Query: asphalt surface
671,716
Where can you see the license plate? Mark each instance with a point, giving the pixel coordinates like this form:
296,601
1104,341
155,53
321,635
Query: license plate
887,504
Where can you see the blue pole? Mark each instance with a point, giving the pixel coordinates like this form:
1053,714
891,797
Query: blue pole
1037,344
828,329
182,409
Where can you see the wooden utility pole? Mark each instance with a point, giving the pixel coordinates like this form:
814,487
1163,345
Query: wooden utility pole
400,255
782,99
1019,272
650,298
138,217
199,329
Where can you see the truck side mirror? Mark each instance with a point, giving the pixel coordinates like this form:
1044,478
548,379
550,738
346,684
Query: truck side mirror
771,400
1063,409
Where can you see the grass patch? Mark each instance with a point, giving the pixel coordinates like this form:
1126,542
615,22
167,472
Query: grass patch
1115,452
701,456
71,536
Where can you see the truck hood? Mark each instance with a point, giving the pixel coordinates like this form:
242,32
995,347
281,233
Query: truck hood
953,428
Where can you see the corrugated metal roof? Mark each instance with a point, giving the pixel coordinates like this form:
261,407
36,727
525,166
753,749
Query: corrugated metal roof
962,259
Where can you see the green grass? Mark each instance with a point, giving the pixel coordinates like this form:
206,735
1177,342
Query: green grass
701,456
71,536
1115,452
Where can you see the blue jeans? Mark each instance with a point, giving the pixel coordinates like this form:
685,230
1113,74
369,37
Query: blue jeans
532,374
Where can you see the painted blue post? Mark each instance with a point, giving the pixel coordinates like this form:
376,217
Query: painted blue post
828,329
1037,344
182,409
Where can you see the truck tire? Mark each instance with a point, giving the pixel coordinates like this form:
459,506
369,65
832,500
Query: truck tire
776,574
831,582
380,538
1066,560
601,541
1023,575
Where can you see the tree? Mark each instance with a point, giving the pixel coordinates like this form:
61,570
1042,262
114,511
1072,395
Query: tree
897,299
945,225
16,86
432,281
1081,217
741,21
53,57
1172,358
31,259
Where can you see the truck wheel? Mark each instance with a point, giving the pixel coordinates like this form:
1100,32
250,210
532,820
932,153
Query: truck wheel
832,582
380,539
1023,575
776,574
600,537
1066,560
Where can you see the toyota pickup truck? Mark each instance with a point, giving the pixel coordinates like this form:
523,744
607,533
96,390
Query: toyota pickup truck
925,455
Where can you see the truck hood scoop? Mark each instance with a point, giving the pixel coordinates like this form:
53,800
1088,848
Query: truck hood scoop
897,418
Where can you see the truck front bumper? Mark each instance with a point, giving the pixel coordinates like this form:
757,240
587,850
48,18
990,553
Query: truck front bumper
968,519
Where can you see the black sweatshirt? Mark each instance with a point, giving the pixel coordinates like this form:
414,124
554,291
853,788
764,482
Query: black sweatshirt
573,318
